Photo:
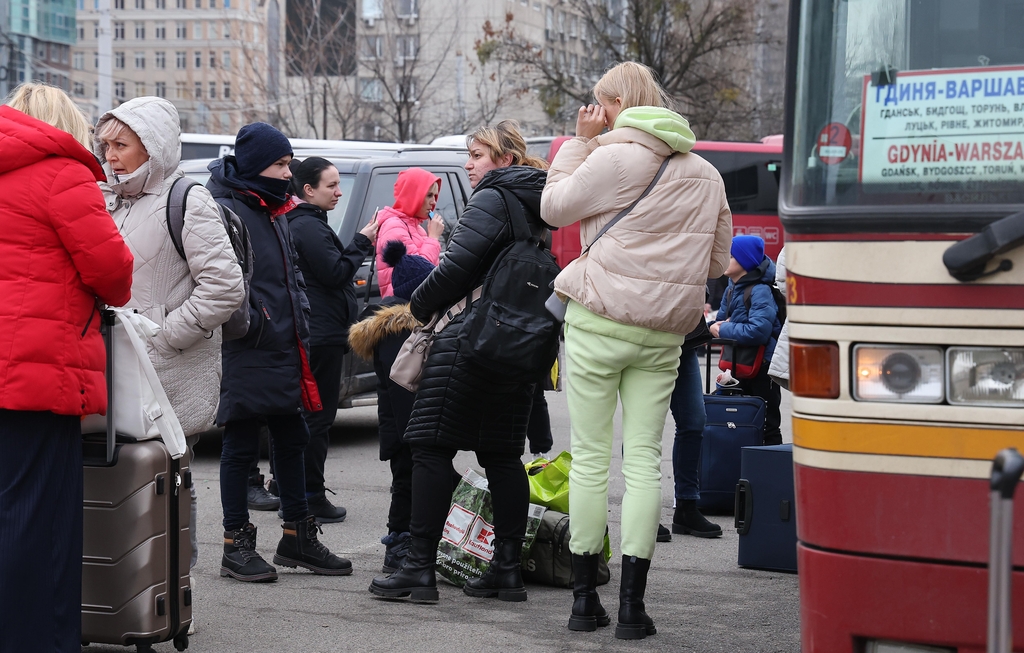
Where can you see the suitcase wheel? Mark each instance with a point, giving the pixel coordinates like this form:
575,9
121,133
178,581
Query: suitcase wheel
181,642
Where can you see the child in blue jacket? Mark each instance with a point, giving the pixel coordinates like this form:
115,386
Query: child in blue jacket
753,323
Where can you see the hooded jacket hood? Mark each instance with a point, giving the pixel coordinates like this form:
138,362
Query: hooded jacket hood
525,182
25,140
365,335
664,123
155,121
410,189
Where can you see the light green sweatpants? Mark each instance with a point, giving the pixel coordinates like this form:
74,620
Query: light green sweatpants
607,361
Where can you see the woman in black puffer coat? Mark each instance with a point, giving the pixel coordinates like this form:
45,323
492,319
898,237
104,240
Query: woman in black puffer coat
459,406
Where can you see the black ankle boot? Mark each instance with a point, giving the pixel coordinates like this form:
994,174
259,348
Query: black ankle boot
415,579
504,578
587,611
240,559
687,520
397,548
633,620
299,547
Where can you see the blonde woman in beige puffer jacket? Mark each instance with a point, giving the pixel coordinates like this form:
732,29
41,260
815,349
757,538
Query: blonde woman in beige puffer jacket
139,143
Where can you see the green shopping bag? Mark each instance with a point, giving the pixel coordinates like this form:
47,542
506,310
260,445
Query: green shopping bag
549,481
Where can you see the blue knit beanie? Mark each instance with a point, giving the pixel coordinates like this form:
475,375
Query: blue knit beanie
408,270
748,251
257,147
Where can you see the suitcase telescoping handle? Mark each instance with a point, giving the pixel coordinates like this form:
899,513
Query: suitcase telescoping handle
109,319
724,342
1006,472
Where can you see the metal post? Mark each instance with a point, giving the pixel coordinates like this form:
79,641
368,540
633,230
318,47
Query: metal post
105,49
1006,472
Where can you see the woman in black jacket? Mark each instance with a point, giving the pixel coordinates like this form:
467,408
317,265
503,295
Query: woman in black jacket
266,373
329,269
459,406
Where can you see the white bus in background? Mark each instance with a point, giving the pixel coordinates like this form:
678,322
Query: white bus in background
214,146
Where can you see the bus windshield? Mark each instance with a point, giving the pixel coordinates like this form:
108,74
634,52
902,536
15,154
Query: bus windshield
901,102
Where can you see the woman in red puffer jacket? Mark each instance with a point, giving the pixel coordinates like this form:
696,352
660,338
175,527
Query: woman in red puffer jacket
60,254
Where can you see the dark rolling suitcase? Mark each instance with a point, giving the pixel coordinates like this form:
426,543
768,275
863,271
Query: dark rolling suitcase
765,516
733,422
136,549
1007,469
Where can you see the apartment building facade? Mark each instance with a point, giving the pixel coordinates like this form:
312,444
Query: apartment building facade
209,57
36,38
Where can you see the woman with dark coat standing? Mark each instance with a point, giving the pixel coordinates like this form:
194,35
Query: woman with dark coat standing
328,268
459,406
60,253
266,373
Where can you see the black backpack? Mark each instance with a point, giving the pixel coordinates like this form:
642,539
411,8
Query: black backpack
508,330
238,324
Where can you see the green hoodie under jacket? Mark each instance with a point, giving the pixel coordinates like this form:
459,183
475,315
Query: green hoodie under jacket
664,123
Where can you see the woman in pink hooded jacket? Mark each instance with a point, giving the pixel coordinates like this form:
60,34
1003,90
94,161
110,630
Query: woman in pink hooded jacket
415,197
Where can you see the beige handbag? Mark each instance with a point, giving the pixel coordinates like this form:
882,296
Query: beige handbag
407,369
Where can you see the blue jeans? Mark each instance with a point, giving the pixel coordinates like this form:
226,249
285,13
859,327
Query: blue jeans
688,412
241,446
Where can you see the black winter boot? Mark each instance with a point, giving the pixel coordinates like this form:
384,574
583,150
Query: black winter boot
415,579
687,520
299,547
259,498
633,620
587,611
325,512
240,559
504,578
397,548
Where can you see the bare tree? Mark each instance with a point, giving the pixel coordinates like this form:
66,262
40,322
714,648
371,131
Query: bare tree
698,49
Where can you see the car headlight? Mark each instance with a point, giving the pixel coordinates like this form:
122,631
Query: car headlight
985,376
898,373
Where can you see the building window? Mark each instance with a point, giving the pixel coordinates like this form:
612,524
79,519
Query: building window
140,30
140,4
79,61
226,88
119,60
373,47
95,60
81,31
197,30
199,59
118,4
227,30
179,90
180,4
140,60
213,59
161,4
199,91
79,89
373,9
213,90
225,60
213,4
161,30
160,59
119,90
370,90
179,60
199,4
405,8
140,89
227,4
119,31
180,31
407,47
81,5
160,89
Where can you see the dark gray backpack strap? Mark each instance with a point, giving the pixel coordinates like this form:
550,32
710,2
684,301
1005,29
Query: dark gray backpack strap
625,211
176,211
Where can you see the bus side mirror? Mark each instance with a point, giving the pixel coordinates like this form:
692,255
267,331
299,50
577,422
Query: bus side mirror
967,259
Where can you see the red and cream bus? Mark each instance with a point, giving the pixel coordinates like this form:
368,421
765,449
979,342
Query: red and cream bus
904,137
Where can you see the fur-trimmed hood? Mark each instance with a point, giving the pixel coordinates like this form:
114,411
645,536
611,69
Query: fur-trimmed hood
365,335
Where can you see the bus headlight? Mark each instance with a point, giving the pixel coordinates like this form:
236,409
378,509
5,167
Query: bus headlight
894,373
985,376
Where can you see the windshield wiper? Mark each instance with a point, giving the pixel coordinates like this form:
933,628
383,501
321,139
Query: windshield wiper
966,260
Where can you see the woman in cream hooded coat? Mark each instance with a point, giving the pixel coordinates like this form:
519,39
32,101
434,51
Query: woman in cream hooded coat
139,143
632,299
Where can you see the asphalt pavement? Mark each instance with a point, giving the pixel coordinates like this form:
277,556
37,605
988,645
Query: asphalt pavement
698,597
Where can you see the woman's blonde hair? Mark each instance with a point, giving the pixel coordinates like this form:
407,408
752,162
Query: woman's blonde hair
634,83
505,138
52,106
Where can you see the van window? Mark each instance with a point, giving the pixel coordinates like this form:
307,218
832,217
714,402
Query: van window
382,193
751,180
